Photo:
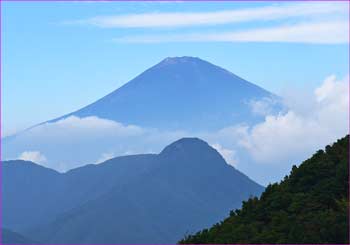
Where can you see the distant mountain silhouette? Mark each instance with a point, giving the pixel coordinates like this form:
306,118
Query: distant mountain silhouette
133,199
27,186
180,93
310,206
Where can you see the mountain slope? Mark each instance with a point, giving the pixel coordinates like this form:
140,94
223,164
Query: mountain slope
180,93
10,237
27,186
308,206
185,187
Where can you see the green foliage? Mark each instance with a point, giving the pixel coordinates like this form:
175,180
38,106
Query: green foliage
309,206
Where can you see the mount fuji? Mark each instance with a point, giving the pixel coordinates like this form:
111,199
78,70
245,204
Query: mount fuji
178,97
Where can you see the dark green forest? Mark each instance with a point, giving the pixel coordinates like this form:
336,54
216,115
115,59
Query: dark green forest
308,206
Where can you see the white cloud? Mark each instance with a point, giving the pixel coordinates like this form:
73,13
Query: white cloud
227,154
33,156
104,157
320,32
333,91
298,133
91,125
264,106
185,19
72,142
95,123
317,22
281,136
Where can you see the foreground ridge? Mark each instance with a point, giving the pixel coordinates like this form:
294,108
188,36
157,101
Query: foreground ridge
308,206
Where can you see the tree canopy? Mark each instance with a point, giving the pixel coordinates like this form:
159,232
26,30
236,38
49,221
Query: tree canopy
308,206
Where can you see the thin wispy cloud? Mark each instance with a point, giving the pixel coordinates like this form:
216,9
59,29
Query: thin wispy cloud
187,19
323,32
314,23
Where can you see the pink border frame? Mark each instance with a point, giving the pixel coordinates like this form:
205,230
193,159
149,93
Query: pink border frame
149,1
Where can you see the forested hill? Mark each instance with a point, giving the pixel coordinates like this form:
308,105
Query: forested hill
308,206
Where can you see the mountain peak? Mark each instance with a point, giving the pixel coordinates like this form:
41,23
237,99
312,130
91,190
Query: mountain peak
186,143
187,93
25,165
181,60
192,149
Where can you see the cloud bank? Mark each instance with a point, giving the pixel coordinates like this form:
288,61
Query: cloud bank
299,132
75,125
72,142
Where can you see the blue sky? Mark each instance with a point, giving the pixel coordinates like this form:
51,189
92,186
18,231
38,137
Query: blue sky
58,57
